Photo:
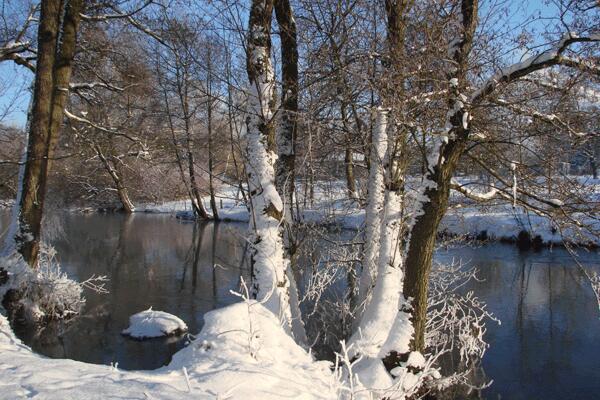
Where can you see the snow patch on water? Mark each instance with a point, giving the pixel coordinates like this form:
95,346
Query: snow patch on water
150,324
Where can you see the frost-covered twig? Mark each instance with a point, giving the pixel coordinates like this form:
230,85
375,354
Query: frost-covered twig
456,323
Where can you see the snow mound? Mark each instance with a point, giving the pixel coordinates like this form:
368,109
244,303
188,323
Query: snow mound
150,324
241,353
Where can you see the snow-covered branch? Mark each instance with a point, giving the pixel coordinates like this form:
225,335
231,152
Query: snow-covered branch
93,85
545,59
548,118
14,52
471,194
118,14
111,131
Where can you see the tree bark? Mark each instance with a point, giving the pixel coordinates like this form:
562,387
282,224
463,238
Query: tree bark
122,192
445,156
52,76
287,131
268,263
211,186
285,177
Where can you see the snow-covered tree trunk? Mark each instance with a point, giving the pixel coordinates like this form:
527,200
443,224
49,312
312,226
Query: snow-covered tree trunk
385,331
270,283
375,197
380,311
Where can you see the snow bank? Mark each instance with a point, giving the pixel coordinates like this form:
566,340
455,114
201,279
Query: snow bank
151,324
500,221
241,353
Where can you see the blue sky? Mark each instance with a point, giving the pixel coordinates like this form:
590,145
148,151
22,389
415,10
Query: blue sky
14,80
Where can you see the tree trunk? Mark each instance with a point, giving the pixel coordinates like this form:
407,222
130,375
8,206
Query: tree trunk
287,132
53,72
182,89
211,186
231,120
445,154
349,172
197,203
421,247
126,203
286,150
268,264
375,197
348,165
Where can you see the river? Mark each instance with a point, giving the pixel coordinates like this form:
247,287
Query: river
545,348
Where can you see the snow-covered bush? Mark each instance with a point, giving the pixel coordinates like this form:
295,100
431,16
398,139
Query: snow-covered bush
46,292
456,325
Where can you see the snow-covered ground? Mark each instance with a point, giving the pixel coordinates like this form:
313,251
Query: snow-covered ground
242,352
151,324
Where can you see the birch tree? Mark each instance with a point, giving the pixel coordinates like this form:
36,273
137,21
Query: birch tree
270,282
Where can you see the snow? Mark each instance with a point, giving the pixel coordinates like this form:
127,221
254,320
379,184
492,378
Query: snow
270,283
374,206
498,219
416,360
556,202
241,353
46,292
400,334
379,314
151,324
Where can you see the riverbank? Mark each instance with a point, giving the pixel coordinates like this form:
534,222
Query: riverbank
491,221
241,353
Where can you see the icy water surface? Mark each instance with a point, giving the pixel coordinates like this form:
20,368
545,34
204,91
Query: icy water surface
546,348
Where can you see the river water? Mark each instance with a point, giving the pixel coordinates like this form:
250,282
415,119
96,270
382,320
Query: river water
546,347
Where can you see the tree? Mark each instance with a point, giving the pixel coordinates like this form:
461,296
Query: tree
270,280
57,38
288,129
444,155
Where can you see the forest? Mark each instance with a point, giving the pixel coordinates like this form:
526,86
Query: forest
315,199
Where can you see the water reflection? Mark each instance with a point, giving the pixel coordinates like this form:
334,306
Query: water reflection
150,261
546,347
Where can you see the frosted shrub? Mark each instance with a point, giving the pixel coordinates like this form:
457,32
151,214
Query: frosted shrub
456,323
47,292
329,287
